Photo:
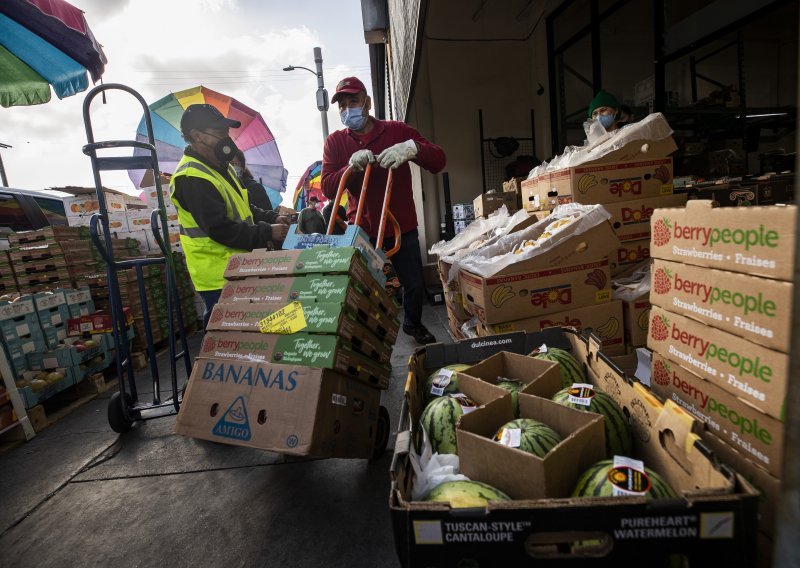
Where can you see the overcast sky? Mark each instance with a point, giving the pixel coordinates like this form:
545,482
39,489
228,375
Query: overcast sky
236,47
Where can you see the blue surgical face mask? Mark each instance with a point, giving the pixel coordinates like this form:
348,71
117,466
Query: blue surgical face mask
606,120
353,118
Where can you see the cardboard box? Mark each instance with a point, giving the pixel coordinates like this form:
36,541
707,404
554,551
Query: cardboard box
329,289
604,183
631,219
301,411
767,486
98,322
67,355
463,212
629,254
637,321
541,378
487,203
751,240
87,203
744,428
320,318
542,291
751,372
353,236
604,320
313,350
716,519
49,234
517,473
757,309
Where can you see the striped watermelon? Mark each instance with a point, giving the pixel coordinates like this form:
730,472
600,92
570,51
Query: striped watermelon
571,370
439,421
536,437
618,432
513,387
460,494
597,482
450,388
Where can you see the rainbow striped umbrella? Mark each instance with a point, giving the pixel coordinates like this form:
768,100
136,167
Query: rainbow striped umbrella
253,137
310,183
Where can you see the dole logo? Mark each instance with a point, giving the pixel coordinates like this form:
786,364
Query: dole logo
543,298
629,255
626,186
566,322
640,215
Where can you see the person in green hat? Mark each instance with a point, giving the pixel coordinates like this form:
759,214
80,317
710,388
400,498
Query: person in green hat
605,109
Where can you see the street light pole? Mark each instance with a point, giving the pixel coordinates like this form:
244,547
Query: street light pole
322,94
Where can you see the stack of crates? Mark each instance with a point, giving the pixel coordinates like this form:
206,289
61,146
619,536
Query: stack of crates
8,283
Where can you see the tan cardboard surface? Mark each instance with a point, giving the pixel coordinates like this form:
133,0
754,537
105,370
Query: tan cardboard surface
637,321
485,204
628,255
757,309
605,320
522,475
540,377
292,410
749,371
756,435
503,298
317,260
751,240
768,486
631,219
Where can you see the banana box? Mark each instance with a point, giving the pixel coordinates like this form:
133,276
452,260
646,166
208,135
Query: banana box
604,320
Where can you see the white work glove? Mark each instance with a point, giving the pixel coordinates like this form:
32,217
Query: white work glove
360,159
397,155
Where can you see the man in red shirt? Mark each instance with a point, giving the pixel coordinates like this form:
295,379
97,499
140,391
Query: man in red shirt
388,144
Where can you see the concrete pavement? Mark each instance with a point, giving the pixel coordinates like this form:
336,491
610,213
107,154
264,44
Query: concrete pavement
80,495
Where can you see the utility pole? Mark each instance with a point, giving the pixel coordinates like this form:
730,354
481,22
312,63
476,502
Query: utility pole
322,94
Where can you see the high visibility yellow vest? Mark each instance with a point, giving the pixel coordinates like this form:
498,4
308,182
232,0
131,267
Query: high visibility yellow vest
206,258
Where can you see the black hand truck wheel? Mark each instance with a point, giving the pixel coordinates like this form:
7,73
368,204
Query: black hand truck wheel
381,433
116,418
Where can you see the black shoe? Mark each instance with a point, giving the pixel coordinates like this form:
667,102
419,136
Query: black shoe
420,334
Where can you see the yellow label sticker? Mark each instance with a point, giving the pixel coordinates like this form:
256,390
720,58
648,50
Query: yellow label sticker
289,319
666,189
603,296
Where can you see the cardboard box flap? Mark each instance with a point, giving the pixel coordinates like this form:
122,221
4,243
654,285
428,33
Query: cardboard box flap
539,377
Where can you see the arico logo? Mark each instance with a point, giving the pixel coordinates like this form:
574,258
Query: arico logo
629,255
626,187
555,295
631,216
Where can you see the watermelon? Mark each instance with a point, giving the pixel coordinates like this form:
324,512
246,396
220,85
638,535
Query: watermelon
536,437
439,421
571,370
460,494
513,387
452,386
618,432
597,482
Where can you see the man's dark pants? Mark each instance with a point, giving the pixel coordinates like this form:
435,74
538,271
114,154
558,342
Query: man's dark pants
407,262
210,297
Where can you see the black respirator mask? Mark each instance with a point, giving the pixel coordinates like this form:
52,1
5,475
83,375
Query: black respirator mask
225,149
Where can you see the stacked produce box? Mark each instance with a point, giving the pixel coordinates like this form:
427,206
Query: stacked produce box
315,329
8,282
720,324
463,215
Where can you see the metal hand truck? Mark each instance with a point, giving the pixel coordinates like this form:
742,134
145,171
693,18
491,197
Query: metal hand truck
124,407
382,431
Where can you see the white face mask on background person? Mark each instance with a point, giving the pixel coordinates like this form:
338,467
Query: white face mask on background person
353,118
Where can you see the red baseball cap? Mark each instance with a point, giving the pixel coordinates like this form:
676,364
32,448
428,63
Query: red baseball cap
349,86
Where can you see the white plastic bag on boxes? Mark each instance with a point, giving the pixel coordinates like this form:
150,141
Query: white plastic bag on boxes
431,470
472,233
490,260
634,285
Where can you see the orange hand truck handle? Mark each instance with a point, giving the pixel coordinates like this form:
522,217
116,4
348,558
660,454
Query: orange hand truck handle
340,193
396,226
385,212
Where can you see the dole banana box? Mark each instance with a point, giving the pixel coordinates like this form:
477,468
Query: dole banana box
603,183
320,318
749,371
354,236
767,486
316,260
636,314
757,309
751,240
749,431
604,320
629,254
303,411
328,288
304,349
631,219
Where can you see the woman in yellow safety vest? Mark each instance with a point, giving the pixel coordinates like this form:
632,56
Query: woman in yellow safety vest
215,217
